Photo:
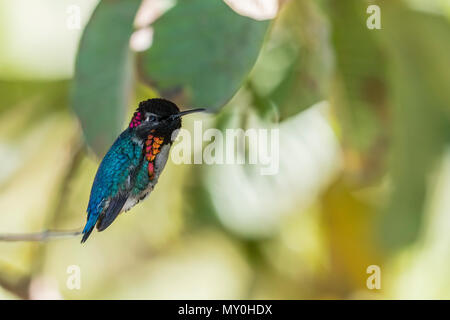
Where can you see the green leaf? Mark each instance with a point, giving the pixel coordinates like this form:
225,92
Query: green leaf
360,90
102,72
294,69
418,49
202,51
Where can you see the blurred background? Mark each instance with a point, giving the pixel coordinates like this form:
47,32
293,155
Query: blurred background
364,120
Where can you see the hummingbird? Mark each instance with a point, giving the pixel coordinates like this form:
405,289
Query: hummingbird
131,167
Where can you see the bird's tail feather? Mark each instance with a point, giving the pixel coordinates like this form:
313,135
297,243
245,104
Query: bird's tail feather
90,224
105,218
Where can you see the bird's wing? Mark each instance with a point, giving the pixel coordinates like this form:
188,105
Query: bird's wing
112,184
110,214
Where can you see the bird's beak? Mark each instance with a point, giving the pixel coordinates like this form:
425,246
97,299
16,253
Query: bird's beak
183,113
145,127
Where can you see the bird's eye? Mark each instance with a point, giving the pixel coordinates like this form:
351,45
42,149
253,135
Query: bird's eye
152,118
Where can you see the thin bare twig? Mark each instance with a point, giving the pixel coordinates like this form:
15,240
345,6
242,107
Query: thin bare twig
39,236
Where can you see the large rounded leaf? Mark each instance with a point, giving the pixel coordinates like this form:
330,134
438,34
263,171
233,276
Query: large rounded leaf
418,47
294,69
102,73
202,52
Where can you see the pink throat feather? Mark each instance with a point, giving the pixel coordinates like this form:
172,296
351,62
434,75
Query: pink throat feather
136,121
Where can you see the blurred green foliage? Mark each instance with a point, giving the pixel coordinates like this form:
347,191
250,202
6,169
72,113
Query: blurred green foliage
419,78
364,173
203,51
103,73
294,69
